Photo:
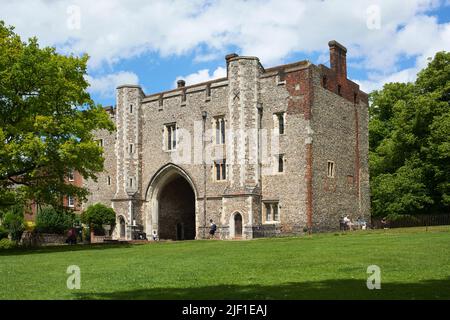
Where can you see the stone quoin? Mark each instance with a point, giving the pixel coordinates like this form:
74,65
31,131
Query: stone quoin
261,152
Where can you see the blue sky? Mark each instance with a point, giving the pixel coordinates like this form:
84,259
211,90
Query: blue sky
154,43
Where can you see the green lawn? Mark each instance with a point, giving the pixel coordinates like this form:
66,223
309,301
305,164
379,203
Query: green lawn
415,264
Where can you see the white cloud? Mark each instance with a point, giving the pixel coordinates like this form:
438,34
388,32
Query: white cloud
202,76
105,86
112,30
376,82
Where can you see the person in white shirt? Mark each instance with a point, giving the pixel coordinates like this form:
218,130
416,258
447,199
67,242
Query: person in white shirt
348,223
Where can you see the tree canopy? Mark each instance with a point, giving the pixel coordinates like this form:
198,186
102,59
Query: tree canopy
409,132
97,215
47,120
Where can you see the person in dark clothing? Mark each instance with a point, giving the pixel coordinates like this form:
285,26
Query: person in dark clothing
71,236
341,223
212,229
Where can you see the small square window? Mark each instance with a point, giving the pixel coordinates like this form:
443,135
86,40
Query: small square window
219,124
280,163
220,168
70,202
272,213
280,122
268,212
171,136
281,77
208,92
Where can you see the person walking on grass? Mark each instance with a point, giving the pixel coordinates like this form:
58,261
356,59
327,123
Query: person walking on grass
212,229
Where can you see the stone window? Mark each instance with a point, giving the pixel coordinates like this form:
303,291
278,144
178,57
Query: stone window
71,175
131,108
350,181
280,163
130,149
70,201
171,136
160,102
130,182
208,92
280,122
219,126
272,211
281,77
330,169
100,142
109,180
220,170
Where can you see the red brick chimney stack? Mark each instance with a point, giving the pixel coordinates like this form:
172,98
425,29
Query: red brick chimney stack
338,59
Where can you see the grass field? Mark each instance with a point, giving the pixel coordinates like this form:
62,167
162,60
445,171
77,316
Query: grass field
415,264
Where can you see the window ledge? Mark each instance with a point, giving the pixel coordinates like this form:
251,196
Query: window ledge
271,222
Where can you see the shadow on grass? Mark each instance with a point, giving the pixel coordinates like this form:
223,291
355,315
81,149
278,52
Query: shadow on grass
62,248
326,290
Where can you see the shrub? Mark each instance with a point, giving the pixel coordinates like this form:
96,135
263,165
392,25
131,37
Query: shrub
48,220
86,234
30,225
3,233
14,223
97,215
7,244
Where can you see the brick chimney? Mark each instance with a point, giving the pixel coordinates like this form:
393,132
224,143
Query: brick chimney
338,59
181,83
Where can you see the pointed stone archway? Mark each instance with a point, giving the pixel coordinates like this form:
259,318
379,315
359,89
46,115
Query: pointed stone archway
171,207
236,223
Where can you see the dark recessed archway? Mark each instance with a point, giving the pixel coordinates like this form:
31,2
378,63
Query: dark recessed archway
176,216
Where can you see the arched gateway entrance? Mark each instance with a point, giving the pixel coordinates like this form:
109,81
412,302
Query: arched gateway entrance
172,199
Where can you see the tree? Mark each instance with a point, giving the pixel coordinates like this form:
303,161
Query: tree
47,120
49,220
409,133
97,215
14,223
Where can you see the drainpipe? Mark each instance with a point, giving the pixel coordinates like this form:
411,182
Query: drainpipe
204,115
308,177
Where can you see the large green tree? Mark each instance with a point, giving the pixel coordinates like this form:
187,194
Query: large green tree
409,134
47,120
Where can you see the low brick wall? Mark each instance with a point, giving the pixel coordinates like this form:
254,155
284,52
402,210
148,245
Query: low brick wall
42,239
100,239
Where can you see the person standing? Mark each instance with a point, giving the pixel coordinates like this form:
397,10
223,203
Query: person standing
212,229
341,223
348,223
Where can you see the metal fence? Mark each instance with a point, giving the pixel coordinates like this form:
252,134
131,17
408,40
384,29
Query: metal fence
412,221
